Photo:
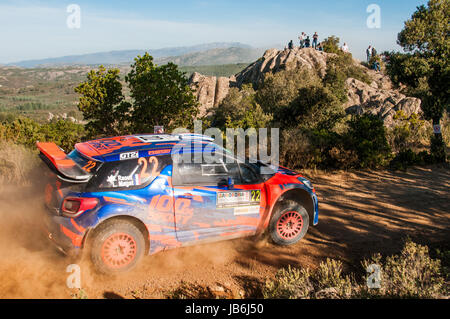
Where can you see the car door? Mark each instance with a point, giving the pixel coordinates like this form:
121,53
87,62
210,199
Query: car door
208,207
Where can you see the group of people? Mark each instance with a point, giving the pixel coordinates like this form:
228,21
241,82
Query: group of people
305,42
372,58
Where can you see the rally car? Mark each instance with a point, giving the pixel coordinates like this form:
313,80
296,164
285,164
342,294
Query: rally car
127,196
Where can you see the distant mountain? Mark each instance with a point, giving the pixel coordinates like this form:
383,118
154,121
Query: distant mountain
125,56
215,56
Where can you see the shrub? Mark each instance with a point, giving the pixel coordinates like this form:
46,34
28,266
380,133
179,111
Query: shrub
27,132
314,108
331,44
411,274
281,88
367,137
290,283
329,275
409,132
239,109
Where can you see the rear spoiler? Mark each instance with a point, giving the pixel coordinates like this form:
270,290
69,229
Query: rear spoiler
61,164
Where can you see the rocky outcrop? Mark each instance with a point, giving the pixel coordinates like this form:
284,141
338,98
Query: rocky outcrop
210,90
274,60
364,98
378,98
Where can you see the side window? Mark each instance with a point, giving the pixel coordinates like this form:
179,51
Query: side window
249,176
131,174
205,173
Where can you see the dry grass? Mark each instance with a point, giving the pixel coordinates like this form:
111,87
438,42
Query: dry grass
16,165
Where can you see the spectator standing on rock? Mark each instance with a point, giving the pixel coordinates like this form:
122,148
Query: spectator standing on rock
307,42
315,40
345,48
302,40
291,45
374,52
369,53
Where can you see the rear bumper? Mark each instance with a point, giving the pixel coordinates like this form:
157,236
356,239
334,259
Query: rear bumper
61,236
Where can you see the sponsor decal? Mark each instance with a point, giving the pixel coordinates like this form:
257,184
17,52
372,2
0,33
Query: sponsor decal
246,210
157,152
130,155
238,198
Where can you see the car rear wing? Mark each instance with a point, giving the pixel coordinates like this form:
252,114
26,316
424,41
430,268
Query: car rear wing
58,161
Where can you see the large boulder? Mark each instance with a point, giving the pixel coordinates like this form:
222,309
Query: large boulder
364,98
210,90
275,60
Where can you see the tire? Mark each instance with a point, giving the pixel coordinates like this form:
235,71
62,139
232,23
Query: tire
289,223
117,247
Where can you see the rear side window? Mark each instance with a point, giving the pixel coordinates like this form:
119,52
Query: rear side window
87,165
129,174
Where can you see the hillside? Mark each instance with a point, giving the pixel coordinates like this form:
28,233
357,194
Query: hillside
377,98
126,56
217,56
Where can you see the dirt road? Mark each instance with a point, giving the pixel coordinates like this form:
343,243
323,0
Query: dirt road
360,213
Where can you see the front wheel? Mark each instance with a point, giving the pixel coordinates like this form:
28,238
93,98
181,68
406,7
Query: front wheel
289,223
117,247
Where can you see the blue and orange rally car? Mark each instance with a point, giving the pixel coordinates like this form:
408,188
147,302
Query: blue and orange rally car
127,196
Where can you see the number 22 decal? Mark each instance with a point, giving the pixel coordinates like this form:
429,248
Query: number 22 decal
144,173
256,196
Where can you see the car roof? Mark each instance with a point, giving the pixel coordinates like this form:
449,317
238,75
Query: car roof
132,146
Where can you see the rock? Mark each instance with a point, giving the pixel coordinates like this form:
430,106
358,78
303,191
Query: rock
274,60
378,98
364,98
210,90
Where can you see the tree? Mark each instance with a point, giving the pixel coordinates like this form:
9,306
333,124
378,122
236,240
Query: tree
331,44
239,109
102,102
426,65
161,96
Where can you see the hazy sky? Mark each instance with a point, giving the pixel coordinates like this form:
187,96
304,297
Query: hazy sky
38,29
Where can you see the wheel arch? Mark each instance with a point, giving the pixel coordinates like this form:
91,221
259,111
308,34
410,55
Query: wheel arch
300,196
131,219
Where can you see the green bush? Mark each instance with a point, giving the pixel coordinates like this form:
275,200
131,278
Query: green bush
239,109
367,137
411,274
27,132
290,283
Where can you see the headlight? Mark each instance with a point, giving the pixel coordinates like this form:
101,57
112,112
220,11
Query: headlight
306,182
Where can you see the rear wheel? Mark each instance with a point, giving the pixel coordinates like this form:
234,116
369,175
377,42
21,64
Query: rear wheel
117,247
289,223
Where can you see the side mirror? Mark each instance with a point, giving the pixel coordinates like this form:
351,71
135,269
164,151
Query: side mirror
230,183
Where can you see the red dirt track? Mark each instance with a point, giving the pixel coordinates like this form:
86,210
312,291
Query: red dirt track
361,213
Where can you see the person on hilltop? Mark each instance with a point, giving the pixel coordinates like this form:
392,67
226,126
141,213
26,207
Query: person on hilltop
345,48
315,40
291,45
307,42
320,47
374,52
302,40
369,53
